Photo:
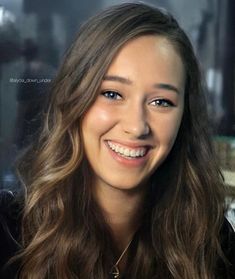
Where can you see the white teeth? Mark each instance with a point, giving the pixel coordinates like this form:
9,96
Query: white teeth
133,153
138,153
127,152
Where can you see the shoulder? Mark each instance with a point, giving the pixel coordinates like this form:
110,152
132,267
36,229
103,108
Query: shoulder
9,228
227,241
227,231
227,235
10,213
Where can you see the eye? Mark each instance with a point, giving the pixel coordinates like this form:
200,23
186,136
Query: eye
162,103
111,95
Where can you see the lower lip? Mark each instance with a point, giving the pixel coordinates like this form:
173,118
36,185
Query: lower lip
131,162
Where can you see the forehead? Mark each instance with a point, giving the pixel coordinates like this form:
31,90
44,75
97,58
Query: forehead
149,57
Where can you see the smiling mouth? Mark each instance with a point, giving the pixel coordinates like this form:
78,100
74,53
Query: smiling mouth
130,153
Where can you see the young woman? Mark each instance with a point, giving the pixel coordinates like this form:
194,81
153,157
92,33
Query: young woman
123,181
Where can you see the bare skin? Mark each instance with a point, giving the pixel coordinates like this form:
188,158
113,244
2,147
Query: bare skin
122,211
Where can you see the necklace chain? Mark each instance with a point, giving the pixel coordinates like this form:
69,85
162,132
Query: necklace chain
115,272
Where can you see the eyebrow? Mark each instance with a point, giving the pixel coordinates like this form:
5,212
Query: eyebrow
165,86
119,79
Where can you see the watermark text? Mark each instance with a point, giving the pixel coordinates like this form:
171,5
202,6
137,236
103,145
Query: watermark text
30,80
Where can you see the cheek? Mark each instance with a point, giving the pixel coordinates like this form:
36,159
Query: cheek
167,130
97,120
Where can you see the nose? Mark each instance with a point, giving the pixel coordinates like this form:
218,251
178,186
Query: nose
135,122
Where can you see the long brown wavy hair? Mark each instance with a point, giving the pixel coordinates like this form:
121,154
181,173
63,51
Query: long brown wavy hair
64,233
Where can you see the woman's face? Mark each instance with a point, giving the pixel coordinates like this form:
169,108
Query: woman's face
132,125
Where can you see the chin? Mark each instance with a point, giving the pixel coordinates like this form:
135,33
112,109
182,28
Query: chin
127,185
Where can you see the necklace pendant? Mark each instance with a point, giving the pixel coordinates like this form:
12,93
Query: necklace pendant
115,272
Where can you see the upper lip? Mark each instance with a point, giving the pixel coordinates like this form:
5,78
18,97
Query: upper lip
130,144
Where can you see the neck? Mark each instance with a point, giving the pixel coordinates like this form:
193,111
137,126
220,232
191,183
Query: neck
122,210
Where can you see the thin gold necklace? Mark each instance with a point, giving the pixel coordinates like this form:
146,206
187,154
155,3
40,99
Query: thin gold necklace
115,272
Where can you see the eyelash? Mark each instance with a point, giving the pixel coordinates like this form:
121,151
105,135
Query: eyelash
113,95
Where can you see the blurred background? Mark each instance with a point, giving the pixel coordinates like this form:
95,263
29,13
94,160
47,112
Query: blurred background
35,34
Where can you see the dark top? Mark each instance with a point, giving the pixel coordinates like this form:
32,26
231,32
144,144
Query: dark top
9,234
